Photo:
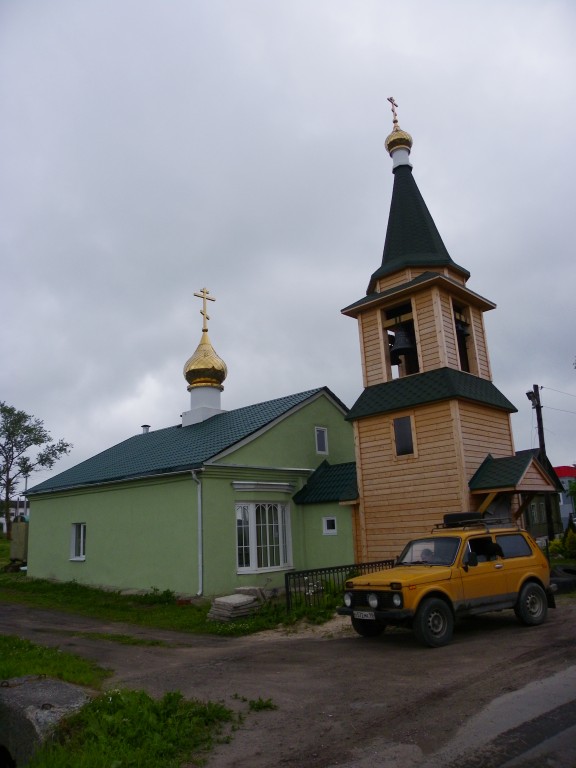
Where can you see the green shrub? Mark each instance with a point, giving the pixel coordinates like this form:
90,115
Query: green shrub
556,548
570,546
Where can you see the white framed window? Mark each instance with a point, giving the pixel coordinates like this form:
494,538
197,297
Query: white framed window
329,526
78,541
321,434
263,536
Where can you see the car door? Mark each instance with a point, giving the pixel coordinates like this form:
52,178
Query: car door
483,575
518,558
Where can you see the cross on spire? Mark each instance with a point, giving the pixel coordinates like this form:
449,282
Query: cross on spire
393,106
204,295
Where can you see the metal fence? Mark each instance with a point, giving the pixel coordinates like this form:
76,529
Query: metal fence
318,585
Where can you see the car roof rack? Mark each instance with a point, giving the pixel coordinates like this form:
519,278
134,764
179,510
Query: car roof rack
466,520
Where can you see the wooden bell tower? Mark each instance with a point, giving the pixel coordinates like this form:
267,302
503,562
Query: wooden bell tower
429,416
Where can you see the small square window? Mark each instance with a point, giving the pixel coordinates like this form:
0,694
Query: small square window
321,439
78,541
329,526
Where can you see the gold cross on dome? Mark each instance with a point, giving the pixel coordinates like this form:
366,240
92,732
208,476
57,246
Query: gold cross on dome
204,295
394,106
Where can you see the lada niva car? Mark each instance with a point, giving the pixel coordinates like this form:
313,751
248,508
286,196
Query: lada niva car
457,570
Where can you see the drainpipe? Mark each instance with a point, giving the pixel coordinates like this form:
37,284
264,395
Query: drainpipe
200,534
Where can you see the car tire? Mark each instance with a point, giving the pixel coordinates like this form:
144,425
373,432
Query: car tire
367,627
434,623
532,606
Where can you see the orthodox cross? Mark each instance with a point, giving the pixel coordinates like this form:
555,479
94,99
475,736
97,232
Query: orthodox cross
204,296
393,105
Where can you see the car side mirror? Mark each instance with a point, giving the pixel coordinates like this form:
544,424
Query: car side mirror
472,559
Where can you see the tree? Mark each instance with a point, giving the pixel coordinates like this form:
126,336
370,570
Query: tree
19,433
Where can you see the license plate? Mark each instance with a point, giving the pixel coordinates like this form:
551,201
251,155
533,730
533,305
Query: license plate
364,615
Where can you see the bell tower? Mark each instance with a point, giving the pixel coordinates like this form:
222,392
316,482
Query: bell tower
429,414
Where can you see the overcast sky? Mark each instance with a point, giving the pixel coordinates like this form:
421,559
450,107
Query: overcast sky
149,148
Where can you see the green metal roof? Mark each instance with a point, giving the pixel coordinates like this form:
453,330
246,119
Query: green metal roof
412,238
429,387
177,449
329,482
505,472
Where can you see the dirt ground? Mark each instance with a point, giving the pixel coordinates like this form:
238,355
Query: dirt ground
342,700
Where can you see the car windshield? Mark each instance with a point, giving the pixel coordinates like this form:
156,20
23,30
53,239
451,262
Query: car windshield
437,550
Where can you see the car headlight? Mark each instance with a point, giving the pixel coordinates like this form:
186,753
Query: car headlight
396,600
373,600
347,599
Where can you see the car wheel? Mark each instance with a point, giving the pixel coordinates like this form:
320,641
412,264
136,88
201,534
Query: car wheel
367,627
532,606
434,623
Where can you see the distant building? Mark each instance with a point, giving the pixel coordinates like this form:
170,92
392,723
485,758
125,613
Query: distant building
567,475
19,512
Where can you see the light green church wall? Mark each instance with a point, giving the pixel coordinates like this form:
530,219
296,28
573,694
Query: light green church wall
310,547
292,442
219,525
143,535
319,550
138,536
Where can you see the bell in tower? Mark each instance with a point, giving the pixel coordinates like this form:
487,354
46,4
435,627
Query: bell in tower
403,348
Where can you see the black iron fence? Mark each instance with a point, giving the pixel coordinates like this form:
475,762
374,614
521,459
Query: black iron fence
318,586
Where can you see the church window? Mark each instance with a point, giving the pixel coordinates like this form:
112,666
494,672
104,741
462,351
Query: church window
321,439
403,436
263,536
78,541
329,527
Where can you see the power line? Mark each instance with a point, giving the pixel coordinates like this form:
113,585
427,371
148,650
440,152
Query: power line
569,394
548,408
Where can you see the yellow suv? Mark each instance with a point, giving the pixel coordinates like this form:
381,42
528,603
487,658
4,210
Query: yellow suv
458,570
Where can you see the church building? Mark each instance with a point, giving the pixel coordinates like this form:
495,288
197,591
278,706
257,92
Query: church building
216,502
432,432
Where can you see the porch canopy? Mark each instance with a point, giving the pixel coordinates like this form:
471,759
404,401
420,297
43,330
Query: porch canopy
523,474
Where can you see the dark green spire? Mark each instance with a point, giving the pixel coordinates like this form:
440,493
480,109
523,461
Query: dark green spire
412,239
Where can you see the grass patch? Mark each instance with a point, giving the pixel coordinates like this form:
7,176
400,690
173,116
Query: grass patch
260,704
71,597
159,610
19,657
129,728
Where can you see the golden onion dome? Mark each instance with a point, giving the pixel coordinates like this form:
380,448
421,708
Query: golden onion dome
398,138
205,368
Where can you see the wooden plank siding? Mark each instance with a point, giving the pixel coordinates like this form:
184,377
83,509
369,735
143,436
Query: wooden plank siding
479,353
404,497
449,332
371,336
484,430
427,330
535,482
393,281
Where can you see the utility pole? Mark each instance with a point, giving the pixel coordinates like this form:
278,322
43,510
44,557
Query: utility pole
534,397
